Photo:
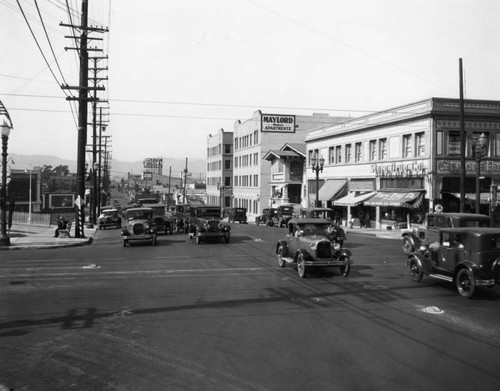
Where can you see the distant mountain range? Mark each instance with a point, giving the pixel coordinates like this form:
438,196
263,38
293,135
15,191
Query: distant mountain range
119,169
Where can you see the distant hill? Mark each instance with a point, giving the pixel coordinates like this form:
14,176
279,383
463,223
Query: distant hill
197,167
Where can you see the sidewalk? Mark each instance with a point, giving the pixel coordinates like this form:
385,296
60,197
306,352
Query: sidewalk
25,236
379,233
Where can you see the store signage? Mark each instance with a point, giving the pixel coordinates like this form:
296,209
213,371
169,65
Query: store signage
153,163
278,123
453,167
399,170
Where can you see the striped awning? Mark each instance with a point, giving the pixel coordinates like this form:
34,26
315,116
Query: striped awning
412,200
353,198
332,189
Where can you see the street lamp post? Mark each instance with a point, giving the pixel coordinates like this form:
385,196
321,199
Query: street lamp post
221,193
317,167
29,206
5,131
479,151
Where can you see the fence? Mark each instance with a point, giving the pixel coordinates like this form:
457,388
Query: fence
36,218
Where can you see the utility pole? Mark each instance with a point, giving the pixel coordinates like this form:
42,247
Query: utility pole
83,99
462,141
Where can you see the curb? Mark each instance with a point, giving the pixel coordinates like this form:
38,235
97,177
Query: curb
47,246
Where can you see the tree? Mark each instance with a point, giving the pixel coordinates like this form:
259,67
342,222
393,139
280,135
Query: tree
61,170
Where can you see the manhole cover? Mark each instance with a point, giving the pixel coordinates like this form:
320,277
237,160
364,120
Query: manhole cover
433,310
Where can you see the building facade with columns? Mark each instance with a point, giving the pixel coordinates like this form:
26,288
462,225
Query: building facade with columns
390,168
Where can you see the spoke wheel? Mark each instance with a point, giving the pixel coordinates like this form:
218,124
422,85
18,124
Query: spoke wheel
466,283
407,246
281,261
416,272
301,267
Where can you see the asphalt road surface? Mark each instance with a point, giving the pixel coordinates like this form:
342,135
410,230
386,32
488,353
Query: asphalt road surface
216,316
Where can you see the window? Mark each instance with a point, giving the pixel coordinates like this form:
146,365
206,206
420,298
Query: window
407,150
358,152
453,143
382,145
227,164
419,144
373,150
227,148
474,139
312,153
227,181
338,154
256,137
331,155
348,157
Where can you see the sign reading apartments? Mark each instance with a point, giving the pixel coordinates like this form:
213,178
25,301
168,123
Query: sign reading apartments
278,123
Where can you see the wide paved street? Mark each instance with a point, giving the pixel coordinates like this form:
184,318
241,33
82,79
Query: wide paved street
182,316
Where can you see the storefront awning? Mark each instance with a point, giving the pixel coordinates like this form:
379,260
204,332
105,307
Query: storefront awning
354,198
332,190
412,199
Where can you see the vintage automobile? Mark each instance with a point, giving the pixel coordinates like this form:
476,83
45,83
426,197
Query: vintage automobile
205,224
324,213
109,218
163,221
467,257
428,231
267,217
180,216
284,214
139,226
235,214
312,243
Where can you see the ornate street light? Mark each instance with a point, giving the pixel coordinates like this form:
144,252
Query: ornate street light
5,131
317,167
221,194
479,151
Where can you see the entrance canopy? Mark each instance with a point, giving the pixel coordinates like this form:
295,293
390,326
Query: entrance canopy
332,189
353,199
412,199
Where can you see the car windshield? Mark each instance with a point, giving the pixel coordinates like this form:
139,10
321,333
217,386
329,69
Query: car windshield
108,213
316,229
206,212
138,215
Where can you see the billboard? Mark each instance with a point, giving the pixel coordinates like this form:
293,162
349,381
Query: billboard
278,123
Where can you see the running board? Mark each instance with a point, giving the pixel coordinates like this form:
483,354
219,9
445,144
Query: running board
442,277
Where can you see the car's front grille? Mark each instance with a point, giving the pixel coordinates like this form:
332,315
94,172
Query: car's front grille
214,225
324,249
138,229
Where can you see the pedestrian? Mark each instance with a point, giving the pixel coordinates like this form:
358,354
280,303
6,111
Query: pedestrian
61,225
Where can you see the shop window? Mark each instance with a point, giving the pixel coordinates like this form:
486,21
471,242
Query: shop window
473,140
453,143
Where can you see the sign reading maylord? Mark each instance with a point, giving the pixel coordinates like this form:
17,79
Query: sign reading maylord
278,123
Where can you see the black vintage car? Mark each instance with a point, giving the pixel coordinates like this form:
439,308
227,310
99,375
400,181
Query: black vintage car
180,217
267,217
163,221
205,224
235,214
284,214
139,226
428,231
324,213
109,218
312,243
466,257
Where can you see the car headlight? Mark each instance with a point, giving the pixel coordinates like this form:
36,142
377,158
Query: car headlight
313,246
336,246
206,226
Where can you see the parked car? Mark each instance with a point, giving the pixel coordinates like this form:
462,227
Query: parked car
268,217
284,214
109,218
327,214
312,243
163,222
428,231
235,214
205,223
139,226
467,257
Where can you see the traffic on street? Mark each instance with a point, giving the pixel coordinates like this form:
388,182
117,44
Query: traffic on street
183,315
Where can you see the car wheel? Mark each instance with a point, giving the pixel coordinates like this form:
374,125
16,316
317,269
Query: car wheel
407,246
301,267
466,283
226,238
416,272
345,269
281,261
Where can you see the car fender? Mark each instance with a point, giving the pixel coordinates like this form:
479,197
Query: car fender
421,261
416,242
302,252
466,264
345,252
284,244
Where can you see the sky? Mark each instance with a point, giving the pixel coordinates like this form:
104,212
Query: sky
181,70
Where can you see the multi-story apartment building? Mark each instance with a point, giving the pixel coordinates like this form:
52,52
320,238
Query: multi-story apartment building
252,140
400,163
220,168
